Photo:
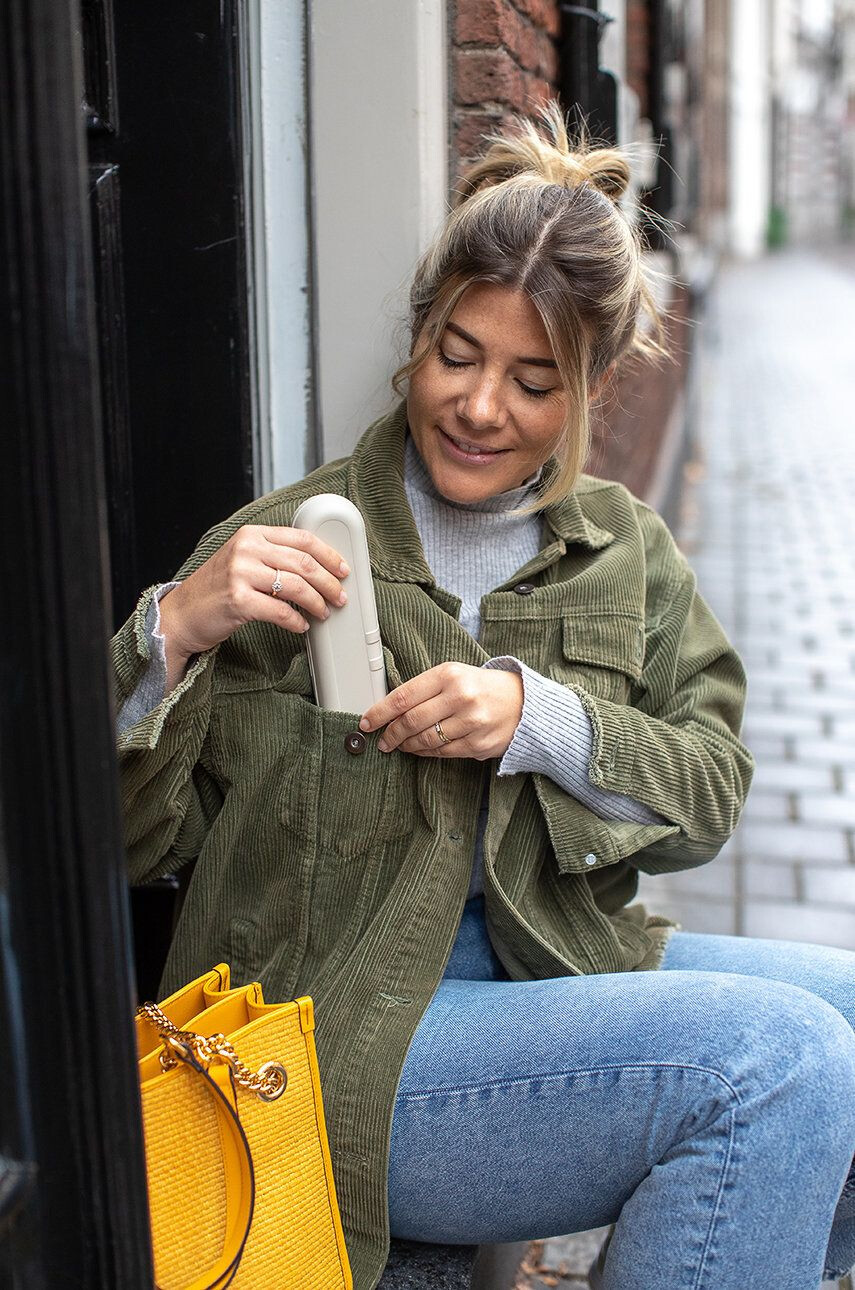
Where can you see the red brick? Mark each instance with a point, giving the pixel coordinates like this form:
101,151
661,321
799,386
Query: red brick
486,76
543,13
470,128
479,22
497,22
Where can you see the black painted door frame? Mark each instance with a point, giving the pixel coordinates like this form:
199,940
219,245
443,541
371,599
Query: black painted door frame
73,1209
163,103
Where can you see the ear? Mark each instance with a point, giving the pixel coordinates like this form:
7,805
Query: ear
600,385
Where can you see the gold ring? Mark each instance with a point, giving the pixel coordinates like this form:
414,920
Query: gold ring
443,736
277,584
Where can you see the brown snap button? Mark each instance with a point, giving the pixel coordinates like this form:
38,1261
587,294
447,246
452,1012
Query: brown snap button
524,588
354,742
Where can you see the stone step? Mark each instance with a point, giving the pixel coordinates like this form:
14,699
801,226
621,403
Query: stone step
415,1266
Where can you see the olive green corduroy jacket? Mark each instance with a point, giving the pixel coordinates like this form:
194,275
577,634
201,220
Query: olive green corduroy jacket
344,877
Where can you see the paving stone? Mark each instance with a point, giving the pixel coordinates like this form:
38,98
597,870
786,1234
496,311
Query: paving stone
717,879
791,775
827,808
770,880
768,747
824,749
798,922
763,804
718,917
829,886
771,722
834,663
793,842
796,698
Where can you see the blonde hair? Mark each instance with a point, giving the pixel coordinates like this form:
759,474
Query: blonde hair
538,215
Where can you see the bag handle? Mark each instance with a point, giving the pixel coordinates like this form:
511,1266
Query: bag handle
239,1175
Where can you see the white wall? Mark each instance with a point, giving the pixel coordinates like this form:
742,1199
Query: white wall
278,237
749,127
380,178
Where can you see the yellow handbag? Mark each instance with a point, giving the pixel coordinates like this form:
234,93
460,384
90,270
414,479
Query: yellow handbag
240,1181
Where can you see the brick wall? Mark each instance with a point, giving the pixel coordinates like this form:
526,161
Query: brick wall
503,60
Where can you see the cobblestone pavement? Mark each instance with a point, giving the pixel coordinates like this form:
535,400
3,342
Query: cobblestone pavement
768,525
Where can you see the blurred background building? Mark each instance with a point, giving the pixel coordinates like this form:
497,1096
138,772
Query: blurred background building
269,292
210,218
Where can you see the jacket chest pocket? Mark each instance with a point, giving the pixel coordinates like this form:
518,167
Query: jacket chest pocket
602,653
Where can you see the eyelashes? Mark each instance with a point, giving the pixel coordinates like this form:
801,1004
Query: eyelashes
455,365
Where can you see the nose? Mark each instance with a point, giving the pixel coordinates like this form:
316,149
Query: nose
482,404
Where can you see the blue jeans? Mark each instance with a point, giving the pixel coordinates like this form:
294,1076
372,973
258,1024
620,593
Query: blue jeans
707,1109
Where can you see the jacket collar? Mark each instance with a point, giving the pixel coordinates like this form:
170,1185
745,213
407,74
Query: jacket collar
375,484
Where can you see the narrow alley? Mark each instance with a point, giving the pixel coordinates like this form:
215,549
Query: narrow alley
768,525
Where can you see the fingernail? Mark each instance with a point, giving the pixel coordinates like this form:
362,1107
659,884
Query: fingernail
382,746
326,611
342,598
344,568
365,724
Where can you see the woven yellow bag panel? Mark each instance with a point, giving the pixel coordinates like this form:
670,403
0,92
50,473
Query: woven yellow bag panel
295,1241
186,1184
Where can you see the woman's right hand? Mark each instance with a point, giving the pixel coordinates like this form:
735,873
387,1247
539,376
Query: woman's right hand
233,587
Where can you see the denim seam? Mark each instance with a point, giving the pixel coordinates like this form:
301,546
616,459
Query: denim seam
717,1205
421,1094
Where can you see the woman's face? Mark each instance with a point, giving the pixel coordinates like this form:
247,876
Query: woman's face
487,409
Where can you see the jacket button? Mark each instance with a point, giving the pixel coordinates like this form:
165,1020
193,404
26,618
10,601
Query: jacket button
524,588
590,858
354,742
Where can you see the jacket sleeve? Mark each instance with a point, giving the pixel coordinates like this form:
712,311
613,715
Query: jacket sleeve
168,801
169,796
677,749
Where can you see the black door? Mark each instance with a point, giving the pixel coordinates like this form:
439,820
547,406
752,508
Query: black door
163,119
73,1207
163,115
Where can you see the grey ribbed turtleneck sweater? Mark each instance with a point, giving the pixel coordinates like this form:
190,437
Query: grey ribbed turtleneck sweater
471,548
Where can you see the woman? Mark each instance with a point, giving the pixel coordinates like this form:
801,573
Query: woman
450,873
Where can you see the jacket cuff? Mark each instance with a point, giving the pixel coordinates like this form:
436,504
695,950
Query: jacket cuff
132,658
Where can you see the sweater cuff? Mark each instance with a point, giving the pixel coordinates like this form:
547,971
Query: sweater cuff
555,737
150,689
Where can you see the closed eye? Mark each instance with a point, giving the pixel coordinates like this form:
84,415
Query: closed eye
532,391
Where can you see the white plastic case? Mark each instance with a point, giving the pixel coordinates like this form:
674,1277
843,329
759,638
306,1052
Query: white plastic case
345,650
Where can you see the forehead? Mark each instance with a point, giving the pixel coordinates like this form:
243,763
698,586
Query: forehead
502,317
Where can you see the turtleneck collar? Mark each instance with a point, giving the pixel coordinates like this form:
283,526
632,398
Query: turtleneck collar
417,474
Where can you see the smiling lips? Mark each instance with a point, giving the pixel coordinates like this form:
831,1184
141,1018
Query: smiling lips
473,450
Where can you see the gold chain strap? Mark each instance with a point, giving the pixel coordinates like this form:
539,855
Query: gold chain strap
269,1083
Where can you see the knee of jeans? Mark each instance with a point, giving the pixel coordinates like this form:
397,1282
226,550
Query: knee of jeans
803,1047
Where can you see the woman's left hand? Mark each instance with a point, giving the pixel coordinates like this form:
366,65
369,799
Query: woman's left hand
478,708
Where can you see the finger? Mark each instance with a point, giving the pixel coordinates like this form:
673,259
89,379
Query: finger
293,587
429,743
262,607
421,688
303,564
326,555
417,727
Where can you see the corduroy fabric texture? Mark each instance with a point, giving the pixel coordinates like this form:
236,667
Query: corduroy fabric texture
344,877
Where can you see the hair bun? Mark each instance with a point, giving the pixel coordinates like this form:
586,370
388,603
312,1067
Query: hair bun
547,154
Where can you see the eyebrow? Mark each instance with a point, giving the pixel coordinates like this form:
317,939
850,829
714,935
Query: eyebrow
532,362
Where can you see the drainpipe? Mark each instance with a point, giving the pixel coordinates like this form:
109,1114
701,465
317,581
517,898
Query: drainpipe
588,92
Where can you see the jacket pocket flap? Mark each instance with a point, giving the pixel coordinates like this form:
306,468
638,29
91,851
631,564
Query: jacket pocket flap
614,641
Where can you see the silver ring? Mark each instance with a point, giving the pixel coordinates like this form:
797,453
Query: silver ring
443,736
277,584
